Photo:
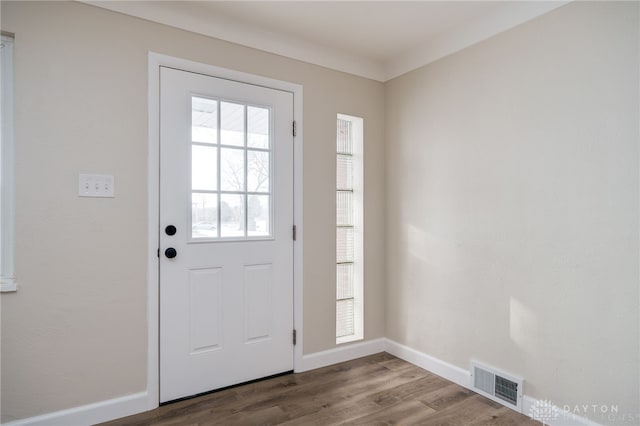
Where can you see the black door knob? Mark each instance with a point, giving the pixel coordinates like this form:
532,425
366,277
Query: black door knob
170,253
170,230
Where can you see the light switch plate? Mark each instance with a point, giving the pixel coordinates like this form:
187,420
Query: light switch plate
96,186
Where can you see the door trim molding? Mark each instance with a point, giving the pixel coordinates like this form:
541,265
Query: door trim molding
155,61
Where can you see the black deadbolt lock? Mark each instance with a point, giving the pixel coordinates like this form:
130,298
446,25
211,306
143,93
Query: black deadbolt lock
170,253
170,230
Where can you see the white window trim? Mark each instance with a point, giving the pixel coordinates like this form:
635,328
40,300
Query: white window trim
7,217
357,130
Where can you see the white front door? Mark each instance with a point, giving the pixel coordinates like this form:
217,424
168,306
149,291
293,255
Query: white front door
226,248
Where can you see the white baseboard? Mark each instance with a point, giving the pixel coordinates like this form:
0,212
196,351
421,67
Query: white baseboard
552,415
450,372
344,352
89,414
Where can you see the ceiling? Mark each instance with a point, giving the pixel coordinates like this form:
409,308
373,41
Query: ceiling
373,39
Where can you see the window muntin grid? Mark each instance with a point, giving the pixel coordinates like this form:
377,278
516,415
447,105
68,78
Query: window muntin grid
231,170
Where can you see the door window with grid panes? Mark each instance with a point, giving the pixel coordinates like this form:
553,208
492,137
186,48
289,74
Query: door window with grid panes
231,196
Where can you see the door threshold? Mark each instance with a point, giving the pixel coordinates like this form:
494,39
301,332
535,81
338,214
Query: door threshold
184,398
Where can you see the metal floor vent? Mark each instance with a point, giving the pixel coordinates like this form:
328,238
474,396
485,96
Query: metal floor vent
496,385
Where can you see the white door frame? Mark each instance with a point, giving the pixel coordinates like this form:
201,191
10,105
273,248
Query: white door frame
157,60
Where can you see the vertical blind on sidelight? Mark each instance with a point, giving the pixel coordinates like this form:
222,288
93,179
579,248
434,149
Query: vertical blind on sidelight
345,231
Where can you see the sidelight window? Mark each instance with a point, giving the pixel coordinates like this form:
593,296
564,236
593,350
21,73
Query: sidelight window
7,275
349,229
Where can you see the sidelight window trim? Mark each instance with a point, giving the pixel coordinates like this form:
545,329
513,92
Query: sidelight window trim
8,280
350,222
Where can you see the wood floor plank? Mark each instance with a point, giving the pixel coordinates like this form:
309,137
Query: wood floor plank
409,390
375,390
402,413
355,399
506,417
446,396
265,416
473,409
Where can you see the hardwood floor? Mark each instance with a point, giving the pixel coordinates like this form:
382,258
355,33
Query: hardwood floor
375,390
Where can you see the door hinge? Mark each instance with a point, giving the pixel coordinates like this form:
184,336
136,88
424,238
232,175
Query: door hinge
158,253
294,337
294,232
295,130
